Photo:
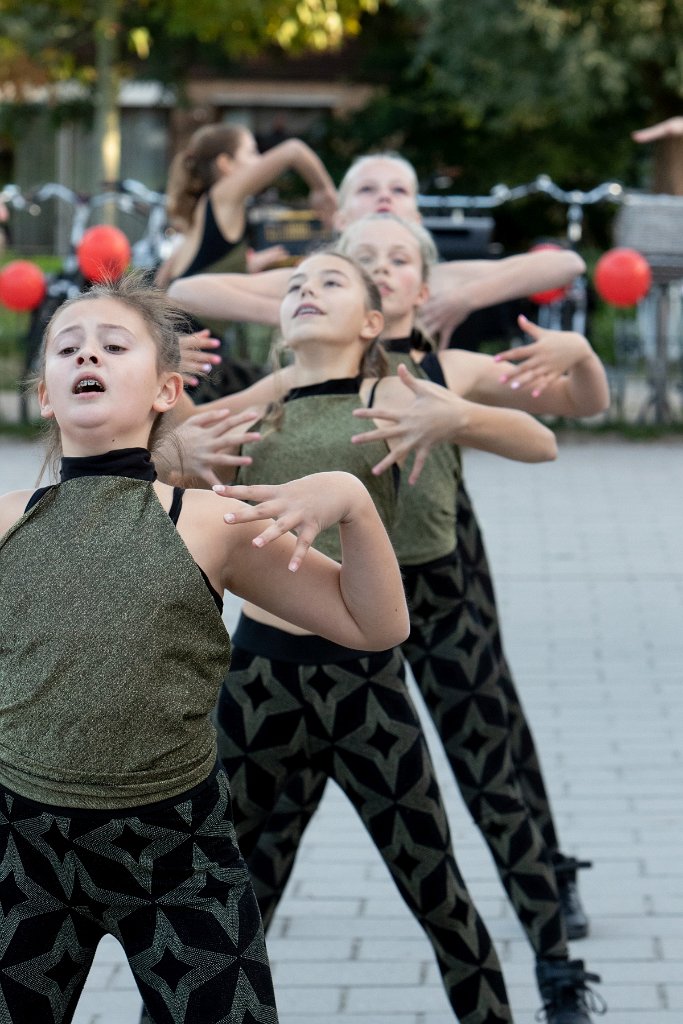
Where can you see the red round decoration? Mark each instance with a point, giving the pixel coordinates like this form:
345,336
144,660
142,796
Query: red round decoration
103,253
552,294
622,277
22,285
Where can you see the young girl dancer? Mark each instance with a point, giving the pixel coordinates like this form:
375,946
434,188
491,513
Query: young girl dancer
296,701
454,661
386,183
114,817
209,185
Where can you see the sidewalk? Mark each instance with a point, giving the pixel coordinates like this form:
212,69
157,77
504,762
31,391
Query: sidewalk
588,560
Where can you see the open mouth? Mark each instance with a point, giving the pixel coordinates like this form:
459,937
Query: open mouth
307,311
88,385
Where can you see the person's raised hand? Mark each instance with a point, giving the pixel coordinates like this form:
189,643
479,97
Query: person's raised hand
305,507
548,357
672,127
433,416
197,355
210,443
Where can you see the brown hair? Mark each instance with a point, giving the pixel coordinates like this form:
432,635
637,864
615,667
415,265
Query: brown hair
163,320
374,362
193,169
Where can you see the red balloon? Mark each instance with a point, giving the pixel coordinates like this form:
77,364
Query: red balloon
622,277
552,294
103,253
22,285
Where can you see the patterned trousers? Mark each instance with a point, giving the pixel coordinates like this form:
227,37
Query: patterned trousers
455,652
353,721
481,592
167,880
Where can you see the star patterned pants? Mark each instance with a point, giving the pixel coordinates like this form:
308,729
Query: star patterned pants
481,593
353,721
477,716
167,880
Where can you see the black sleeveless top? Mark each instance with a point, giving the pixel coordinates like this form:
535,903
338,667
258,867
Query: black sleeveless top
213,246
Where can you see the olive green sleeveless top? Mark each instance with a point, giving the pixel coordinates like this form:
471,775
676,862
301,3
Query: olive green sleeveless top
315,436
112,650
425,526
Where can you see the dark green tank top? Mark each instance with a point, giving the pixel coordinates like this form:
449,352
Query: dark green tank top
425,526
112,650
315,436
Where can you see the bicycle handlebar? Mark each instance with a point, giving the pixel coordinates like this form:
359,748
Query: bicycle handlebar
543,184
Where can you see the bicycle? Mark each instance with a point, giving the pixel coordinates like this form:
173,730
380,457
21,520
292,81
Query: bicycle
570,311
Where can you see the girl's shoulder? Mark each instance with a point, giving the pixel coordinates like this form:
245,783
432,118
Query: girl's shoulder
12,507
203,530
388,390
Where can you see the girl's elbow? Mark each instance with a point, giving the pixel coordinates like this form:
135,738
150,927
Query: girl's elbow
403,626
547,450
394,631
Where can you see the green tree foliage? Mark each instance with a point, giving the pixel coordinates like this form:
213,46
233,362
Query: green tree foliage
566,79
527,64
94,44
55,40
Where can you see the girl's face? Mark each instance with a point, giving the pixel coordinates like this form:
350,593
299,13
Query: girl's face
246,152
390,254
100,373
379,186
326,301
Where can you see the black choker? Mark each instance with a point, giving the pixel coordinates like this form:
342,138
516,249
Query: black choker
132,462
336,386
415,341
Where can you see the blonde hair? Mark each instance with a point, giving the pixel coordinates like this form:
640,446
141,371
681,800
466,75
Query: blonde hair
362,161
429,256
193,170
427,247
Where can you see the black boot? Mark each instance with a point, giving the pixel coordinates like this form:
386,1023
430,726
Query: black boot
566,996
573,913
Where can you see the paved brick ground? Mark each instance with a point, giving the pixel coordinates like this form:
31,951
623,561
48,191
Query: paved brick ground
589,570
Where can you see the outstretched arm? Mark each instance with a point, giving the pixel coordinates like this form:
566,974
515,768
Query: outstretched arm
558,373
423,414
245,298
359,603
670,128
292,154
460,287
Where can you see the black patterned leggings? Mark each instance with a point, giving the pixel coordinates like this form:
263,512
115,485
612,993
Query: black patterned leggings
167,880
353,721
481,593
457,668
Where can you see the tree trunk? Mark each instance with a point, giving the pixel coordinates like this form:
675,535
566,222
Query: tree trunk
107,120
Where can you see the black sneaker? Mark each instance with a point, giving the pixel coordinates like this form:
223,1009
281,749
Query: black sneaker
575,919
565,993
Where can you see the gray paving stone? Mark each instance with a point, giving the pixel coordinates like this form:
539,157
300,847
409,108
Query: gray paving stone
353,973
